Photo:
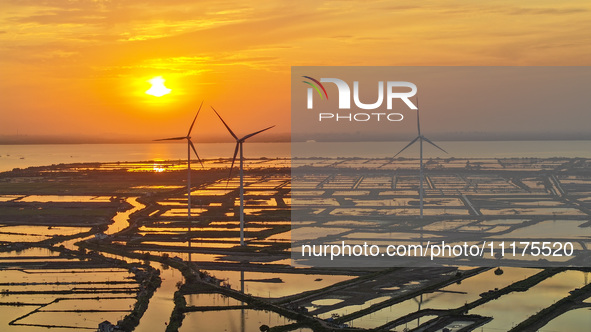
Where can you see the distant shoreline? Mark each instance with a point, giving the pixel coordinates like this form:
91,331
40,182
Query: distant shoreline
26,155
212,164
286,138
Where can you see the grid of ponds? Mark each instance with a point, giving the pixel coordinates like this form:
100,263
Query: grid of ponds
362,202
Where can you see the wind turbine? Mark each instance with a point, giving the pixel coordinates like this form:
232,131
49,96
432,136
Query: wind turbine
189,147
239,142
420,138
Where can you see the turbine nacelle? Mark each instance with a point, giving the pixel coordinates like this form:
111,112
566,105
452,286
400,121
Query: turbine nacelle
420,136
188,138
239,141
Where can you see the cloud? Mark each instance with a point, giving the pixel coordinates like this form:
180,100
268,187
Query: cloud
546,11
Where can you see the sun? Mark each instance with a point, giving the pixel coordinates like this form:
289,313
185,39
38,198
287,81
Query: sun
158,89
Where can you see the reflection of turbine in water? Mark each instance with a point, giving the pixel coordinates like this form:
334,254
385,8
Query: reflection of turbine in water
239,142
242,318
419,302
422,301
189,147
420,138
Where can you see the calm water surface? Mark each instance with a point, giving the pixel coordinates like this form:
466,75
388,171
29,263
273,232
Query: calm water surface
12,156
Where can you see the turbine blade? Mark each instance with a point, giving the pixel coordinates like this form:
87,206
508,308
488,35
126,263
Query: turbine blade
195,150
170,139
224,122
255,133
435,145
233,161
409,144
192,124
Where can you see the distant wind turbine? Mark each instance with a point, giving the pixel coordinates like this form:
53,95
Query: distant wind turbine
239,142
420,138
189,147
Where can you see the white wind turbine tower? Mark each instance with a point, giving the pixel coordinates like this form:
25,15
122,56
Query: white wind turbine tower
239,142
420,138
189,147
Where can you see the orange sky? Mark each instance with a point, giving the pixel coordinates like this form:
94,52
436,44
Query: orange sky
80,67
